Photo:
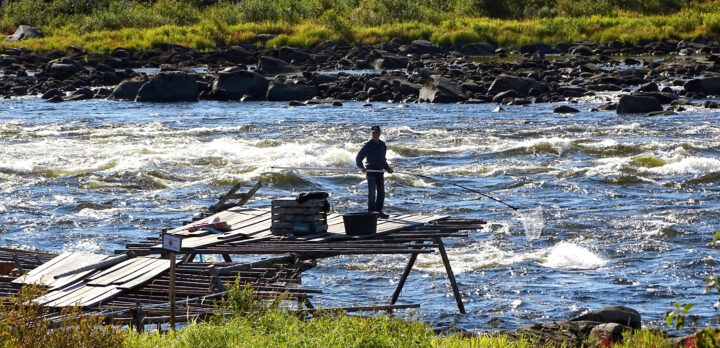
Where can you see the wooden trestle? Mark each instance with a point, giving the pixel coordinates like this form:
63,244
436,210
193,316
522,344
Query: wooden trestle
132,287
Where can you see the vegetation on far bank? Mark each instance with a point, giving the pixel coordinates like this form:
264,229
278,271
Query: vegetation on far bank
103,25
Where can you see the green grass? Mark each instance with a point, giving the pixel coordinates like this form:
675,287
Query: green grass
107,24
256,323
280,329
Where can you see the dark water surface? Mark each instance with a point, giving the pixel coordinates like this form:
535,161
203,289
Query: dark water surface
628,205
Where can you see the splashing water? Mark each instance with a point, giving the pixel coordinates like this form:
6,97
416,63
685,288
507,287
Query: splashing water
532,221
566,255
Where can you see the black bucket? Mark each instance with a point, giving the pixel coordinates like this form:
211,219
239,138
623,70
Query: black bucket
359,224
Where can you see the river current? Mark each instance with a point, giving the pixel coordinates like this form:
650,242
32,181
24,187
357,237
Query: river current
626,205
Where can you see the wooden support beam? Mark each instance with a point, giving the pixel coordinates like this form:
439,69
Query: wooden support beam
138,316
189,257
18,264
227,258
217,282
450,274
403,278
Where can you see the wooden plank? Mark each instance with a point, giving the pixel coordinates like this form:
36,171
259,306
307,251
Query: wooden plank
128,268
110,270
31,276
51,263
160,267
230,216
89,297
152,267
56,294
72,297
71,262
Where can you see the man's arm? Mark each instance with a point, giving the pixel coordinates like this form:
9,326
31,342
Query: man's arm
360,157
386,166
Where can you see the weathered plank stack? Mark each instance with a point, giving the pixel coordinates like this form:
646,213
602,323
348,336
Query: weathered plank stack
292,217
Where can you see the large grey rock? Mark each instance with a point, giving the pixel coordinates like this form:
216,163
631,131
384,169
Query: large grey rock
63,68
273,66
282,91
25,32
239,55
631,104
709,85
169,86
439,89
290,54
127,90
233,84
522,85
420,47
662,97
564,109
478,49
616,314
390,62
81,94
581,50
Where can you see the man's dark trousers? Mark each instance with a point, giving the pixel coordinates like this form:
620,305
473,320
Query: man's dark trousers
376,182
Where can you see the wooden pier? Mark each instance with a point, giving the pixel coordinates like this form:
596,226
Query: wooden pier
133,286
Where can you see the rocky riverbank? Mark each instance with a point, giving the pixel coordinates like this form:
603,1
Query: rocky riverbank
602,328
659,78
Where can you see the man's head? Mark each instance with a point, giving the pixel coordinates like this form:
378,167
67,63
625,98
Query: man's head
375,132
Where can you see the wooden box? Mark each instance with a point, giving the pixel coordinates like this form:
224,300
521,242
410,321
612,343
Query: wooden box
289,217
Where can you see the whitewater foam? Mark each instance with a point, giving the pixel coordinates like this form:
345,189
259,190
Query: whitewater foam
688,165
566,255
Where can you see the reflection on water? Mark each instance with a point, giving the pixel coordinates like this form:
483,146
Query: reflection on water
615,209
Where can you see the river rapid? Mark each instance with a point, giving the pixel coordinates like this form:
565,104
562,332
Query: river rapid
627,205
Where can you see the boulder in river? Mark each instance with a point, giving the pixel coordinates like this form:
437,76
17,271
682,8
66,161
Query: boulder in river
273,66
441,89
708,85
615,314
631,104
478,49
522,85
234,83
564,109
169,86
282,91
128,89
63,68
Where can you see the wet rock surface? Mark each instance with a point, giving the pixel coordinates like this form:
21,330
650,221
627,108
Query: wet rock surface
395,71
602,328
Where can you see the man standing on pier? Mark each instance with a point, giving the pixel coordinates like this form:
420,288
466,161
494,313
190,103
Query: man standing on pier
374,151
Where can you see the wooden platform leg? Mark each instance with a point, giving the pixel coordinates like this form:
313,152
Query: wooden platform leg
188,258
403,278
226,258
450,274
138,316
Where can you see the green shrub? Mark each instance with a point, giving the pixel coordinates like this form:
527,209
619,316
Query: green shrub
25,324
339,25
178,12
